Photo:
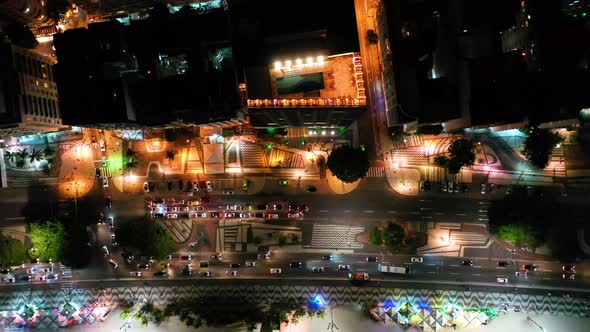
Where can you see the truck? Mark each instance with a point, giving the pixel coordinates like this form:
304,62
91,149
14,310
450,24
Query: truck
386,268
358,276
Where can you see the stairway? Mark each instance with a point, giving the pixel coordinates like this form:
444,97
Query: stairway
230,237
358,76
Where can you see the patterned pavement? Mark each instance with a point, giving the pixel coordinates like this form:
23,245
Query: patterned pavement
47,302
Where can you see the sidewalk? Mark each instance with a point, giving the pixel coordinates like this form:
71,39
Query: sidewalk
340,187
404,181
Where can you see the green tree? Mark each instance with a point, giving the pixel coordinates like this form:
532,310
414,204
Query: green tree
56,9
48,151
22,154
35,156
372,37
441,161
348,164
462,153
539,144
171,135
12,252
9,156
47,240
393,236
517,234
132,164
375,236
147,236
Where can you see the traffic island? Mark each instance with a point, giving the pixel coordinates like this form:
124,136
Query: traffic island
404,181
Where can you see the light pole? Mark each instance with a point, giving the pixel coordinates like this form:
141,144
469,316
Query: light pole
75,185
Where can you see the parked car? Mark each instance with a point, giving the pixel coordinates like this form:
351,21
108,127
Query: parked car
105,182
467,262
283,182
209,186
372,259
272,216
108,202
296,265
569,268
275,270
234,265
228,192
327,257
422,187
503,264
521,274
417,259
160,273
143,266
262,207
484,188
451,186
530,267
311,189
444,186
206,274
186,257
343,267
250,263
264,255
317,269
135,273
231,273
146,187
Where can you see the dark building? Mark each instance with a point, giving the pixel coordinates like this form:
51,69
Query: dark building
169,68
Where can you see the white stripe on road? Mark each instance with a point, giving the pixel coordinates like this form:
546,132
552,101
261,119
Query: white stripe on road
461,214
425,209
15,218
431,272
369,211
477,267
323,211
453,273
425,200
544,270
426,217
454,265
415,212
391,211
476,274
439,213
431,264
347,211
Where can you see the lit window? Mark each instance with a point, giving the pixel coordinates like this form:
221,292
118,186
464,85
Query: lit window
309,60
277,65
299,62
320,59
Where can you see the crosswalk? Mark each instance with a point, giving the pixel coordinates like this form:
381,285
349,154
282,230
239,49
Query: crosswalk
106,172
409,156
468,238
376,172
336,236
408,141
66,278
27,182
252,155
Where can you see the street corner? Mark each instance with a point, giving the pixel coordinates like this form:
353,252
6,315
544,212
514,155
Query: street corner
252,186
404,181
340,187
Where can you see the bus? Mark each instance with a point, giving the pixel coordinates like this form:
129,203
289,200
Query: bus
386,268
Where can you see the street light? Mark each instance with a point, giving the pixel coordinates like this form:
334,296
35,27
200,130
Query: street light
75,185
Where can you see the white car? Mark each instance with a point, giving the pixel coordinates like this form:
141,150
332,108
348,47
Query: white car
502,280
444,186
521,274
250,263
417,259
231,273
198,208
317,269
146,187
103,147
228,192
172,216
245,215
451,186
342,267
113,264
232,207
200,215
135,273
273,216
275,270
421,185
105,182
209,186
105,250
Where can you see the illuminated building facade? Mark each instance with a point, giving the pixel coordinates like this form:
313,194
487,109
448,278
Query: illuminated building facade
28,93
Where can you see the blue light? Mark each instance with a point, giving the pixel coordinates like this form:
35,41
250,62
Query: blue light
317,302
388,304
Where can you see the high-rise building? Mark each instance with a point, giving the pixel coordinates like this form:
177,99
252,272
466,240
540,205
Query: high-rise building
28,93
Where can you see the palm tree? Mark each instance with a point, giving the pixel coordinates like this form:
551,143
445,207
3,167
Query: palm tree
48,151
35,157
22,154
130,153
9,156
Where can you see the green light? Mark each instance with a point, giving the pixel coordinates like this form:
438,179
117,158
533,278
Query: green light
584,14
270,130
302,142
269,146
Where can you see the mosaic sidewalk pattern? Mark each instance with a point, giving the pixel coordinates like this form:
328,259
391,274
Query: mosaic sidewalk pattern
47,301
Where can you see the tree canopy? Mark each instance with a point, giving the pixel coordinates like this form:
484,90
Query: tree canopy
348,164
12,251
147,236
462,153
20,35
392,236
539,144
48,240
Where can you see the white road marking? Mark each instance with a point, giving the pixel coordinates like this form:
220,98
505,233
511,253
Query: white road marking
369,211
461,214
391,211
323,211
315,261
415,212
546,278
454,265
484,203
431,272
362,270
431,264
477,267
544,270
483,219
426,217
347,211
439,213
476,274
453,273
425,209
425,200
482,211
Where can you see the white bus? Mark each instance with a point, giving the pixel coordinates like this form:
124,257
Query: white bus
386,268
